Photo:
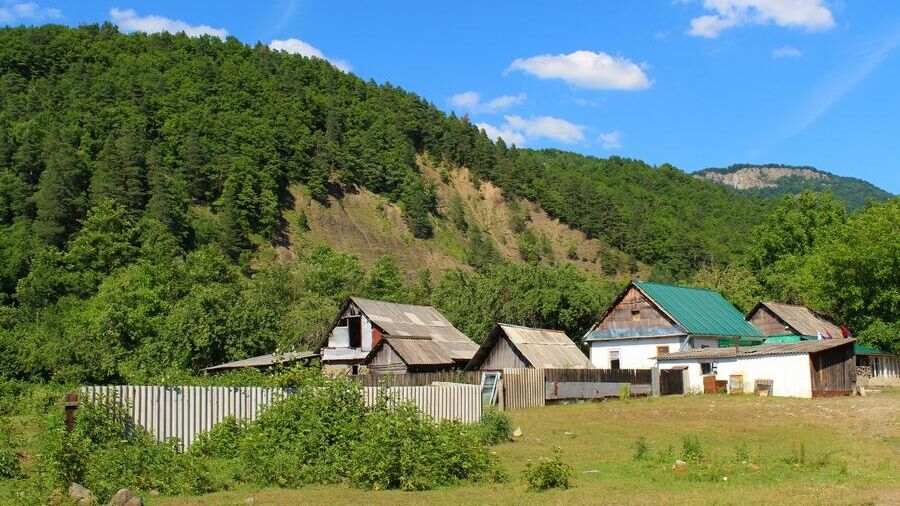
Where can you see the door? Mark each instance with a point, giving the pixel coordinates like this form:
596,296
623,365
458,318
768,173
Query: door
671,381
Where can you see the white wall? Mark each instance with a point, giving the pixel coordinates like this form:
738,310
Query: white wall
633,353
790,373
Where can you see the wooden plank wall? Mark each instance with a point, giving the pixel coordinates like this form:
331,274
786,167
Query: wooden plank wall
620,317
185,411
419,378
523,388
767,323
632,376
833,370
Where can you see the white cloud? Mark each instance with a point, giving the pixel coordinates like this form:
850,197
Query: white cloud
27,11
611,140
806,14
129,21
586,69
547,127
583,102
297,46
786,52
509,136
471,101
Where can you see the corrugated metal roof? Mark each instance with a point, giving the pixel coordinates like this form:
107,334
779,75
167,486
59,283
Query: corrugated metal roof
861,349
541,348
400,320
265,360
418,351
698,310
755,351
803,320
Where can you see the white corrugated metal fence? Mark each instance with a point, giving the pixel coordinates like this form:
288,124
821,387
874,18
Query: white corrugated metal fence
185,411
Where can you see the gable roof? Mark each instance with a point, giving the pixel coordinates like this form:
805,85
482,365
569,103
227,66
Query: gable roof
760,350
398,320
540,348
699,310
416,351
800,319
267,360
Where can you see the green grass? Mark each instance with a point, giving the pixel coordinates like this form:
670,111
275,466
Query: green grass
850,456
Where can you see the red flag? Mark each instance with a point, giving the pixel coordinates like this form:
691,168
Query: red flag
845,332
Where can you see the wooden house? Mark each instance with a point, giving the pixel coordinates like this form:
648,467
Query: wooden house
409,354
513,346
648,319
362,323
821,368
791,323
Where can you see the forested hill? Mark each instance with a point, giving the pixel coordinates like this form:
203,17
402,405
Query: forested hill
776,179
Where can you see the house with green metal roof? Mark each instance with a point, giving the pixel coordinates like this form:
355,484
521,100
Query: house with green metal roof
649,319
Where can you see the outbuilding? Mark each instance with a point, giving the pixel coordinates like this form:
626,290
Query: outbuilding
513,346
821,368
408,354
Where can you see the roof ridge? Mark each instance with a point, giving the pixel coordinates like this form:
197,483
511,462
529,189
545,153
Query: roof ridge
673,285
354,297
529,328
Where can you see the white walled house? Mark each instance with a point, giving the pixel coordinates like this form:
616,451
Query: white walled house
362,323
800,369
650,319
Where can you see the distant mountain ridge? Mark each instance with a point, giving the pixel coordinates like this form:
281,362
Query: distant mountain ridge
778,179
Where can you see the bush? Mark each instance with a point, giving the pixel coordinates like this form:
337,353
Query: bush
9,461
691,450
221,441
105,452
495,427
548,472
642,449
306,437
400,448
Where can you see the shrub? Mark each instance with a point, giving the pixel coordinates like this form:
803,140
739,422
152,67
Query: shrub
691,450
548,472
403,449
495,427
9,461
641,449
221,441
625,391
306,437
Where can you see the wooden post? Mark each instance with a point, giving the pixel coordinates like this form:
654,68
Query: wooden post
70,405
654,382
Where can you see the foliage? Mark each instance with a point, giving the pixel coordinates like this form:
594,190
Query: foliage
642,449
9,460
548,472
495,426
734,282
691,449
221,441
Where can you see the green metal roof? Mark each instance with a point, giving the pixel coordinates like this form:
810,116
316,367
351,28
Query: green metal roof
698,310
861,349
788,338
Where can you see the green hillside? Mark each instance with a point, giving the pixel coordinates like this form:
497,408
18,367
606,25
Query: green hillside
776,179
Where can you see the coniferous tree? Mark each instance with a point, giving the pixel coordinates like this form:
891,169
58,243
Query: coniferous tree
60,198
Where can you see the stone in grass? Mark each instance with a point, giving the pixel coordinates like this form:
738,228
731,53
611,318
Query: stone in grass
679,467
518,432
81,495
125,497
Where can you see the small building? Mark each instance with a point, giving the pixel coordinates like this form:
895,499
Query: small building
792,323
821,368
264,362
362,323
649,319
409,354
514,346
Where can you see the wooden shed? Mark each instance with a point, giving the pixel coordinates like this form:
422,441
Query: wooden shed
400,355
823,368
513,346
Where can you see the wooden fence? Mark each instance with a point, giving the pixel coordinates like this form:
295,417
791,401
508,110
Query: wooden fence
185,411
419,378
523,388
631,376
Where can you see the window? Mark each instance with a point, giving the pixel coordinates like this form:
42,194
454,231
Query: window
661,350
354,330
354,370
706,368
614,359
635,315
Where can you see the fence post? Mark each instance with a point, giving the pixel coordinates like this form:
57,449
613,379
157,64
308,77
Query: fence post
654,382
70,405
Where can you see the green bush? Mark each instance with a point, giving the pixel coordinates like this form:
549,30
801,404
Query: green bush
642,450
548,472
495,427
221,441
400,448
24,398
306,437
105,452
691,449
9,461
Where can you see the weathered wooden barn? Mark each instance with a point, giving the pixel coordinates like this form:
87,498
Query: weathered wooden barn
648,319
408,354
362,323
513,346
821,368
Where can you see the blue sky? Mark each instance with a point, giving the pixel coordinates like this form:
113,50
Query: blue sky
694,83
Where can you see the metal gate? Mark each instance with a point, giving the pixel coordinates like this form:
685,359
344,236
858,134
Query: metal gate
671,381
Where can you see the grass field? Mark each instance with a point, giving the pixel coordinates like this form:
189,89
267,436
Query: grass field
823,451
